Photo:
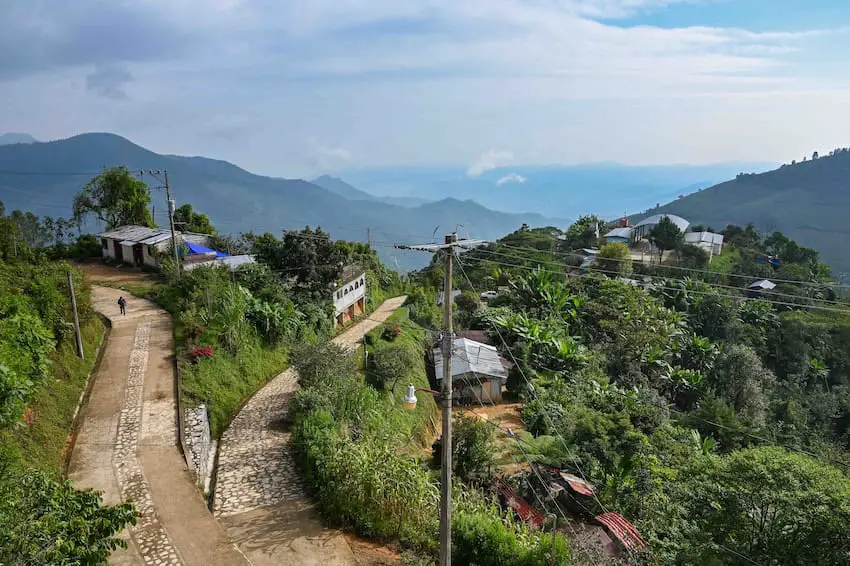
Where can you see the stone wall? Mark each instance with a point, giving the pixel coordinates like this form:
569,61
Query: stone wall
199,446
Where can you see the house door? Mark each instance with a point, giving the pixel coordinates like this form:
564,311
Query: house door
119,253
138,255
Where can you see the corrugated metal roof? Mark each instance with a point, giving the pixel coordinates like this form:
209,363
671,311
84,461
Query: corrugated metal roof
763,284
521,507
680,222
577,484
469,356
706,237
129,235
624,232
622,530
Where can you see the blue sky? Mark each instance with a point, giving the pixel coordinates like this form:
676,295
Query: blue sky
302,87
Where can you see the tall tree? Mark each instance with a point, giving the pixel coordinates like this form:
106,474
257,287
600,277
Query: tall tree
584,232
116,197
190,221
665,236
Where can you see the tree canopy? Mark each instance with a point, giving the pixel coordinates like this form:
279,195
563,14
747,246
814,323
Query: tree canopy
117,198
665,235
187,220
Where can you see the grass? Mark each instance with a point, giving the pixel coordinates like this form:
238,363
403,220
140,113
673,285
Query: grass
42,443
421,421
225,382
726,261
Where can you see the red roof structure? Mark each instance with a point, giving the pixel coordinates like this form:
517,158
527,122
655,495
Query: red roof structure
521,507
625,533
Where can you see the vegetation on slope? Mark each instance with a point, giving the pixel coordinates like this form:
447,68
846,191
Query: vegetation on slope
44,520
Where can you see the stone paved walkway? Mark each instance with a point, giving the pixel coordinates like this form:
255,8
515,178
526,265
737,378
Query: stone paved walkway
259,495
127,443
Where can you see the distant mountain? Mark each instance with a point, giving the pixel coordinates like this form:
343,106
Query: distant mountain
44,177
807,201
346,191
10,138
608,189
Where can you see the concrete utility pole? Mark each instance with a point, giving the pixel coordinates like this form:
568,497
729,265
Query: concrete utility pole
76,317
451,242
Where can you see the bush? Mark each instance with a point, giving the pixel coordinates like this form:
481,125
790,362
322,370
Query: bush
473,448
614,260
693,257
391,332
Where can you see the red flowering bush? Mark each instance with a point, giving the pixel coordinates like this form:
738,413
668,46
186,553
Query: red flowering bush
199,352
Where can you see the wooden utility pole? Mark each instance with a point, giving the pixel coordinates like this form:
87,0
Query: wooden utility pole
451,242
76,317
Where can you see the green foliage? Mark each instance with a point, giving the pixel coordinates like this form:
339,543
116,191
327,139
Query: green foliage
665,235
481,538
693,257
770,505
614,259
473,449
116,197
187,220
584,232
47,522
393,363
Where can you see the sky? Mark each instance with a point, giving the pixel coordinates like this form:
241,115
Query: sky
301,87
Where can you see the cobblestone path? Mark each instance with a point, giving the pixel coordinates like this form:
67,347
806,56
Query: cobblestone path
127,445
256,469
154,545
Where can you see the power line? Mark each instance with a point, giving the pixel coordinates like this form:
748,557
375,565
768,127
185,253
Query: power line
690,269
734,297
718,285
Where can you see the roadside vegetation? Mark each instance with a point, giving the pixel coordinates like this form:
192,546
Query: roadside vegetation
44,519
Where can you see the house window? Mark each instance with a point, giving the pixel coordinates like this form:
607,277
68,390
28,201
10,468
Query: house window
103,243
361,282
346,291
339,294
357,285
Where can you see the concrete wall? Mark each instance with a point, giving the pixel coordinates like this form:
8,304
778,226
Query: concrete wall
199,448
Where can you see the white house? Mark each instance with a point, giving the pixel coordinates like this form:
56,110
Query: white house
709,241
478,372
641,229
135,245
349,297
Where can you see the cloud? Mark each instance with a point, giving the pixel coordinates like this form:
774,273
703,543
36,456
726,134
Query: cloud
109,81
327,158
490,159
512,178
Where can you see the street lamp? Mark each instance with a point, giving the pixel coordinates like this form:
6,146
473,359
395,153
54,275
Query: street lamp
410,399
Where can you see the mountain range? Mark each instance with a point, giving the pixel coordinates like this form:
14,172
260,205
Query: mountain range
567,191
44,177
807,201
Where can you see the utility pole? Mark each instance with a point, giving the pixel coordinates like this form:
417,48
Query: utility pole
76,317
451,242
167,188
171,222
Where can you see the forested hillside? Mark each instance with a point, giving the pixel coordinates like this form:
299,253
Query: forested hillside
43,178
808,201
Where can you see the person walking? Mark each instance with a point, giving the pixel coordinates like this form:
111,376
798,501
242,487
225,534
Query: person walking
122,304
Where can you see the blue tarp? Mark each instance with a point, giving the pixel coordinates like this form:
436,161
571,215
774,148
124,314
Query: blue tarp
196,249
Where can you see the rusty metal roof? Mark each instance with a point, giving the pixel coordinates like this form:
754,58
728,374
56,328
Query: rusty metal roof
577,484
622,530
524,510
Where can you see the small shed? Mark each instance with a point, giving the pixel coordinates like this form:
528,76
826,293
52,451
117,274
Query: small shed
757,288
349,295
135,245
478,371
